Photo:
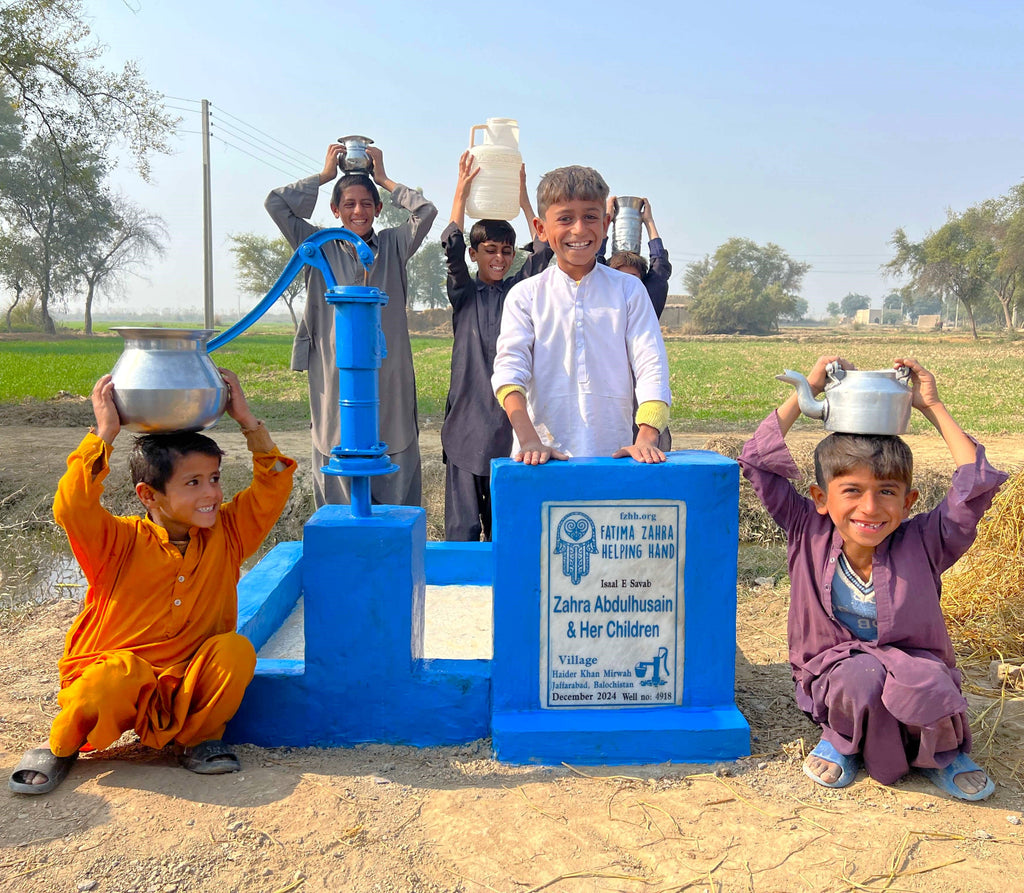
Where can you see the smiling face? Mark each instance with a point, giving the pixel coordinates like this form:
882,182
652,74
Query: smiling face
574,229
493,260
357,210
864,508
191,498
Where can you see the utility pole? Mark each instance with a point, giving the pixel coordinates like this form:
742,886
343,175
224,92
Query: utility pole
207,223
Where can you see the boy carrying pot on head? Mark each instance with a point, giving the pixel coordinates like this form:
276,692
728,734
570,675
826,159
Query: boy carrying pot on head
356,203
475,428
868,647
154,648
575,338
654,276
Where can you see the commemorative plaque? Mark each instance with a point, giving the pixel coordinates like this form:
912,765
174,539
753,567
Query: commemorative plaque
611,614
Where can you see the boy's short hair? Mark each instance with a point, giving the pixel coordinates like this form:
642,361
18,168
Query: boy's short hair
885,455
353,180
566,184
154,456
492,231
629,259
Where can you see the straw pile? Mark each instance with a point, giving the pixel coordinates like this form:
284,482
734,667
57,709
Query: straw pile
757,527
983,595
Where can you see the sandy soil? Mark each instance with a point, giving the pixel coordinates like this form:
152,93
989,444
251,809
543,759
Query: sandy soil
379,818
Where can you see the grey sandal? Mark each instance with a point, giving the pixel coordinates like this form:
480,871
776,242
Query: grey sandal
212,757
45,762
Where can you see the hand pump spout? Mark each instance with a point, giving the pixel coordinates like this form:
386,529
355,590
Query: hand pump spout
360,348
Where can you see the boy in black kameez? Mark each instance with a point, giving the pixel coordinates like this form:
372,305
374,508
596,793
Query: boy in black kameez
475,428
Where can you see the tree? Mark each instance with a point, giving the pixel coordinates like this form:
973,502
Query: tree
747,289
852,303
128,240
15,272
53,217
428,272
892,309
695,274
260,261
799,311
49,66
426,269
834,310
11,138
1001,221
957,260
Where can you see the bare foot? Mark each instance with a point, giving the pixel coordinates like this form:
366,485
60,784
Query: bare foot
33,778
826,770
971,782
27,776
40,771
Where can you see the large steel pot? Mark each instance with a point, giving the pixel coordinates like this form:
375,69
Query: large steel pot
165,381
628,224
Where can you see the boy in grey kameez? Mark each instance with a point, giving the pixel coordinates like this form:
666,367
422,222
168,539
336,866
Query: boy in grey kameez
356,203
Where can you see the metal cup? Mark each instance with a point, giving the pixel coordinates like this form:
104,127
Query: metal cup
628,224
355,160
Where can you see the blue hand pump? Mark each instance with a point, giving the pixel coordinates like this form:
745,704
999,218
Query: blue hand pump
360,348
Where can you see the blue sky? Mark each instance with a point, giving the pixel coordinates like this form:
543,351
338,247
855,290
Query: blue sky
818,127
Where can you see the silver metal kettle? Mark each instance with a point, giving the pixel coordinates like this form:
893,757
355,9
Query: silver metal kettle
855,402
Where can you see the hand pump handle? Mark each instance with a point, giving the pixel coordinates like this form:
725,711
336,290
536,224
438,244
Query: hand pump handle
309,253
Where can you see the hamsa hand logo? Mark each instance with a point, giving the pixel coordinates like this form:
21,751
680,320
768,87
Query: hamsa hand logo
576,541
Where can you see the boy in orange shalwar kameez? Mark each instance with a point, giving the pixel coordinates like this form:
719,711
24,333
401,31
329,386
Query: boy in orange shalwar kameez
154,648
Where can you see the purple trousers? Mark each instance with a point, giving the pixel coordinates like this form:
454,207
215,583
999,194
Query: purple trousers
849,708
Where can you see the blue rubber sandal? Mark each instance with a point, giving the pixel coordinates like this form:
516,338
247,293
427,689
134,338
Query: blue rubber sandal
850,765
943,778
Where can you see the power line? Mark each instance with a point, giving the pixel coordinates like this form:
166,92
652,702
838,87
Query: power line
245,124
259,145
250,154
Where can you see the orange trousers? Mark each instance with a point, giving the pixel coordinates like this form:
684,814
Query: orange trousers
188,702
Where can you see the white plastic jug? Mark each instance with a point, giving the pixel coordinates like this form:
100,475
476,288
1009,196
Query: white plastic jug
494,192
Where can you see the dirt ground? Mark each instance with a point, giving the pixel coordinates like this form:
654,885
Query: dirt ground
379,818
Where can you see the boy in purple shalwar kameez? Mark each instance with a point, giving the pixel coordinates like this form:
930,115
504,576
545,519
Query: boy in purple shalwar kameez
871,658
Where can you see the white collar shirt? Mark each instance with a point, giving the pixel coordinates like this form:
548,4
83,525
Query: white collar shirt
576,349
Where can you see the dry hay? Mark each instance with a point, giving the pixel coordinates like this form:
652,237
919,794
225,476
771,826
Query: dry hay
433,472
983,595
757,527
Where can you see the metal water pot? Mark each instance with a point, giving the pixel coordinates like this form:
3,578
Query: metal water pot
628,221
356,160
857,402
165,381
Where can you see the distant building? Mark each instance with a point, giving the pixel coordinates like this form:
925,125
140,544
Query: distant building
677,311
929,321
869,316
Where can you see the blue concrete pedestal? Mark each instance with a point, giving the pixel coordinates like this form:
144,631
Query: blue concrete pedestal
616,580
364,678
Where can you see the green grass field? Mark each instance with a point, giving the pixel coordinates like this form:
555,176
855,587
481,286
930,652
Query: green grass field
717,383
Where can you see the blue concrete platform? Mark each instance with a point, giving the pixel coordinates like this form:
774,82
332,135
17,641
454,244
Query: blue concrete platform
614,588
364,678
